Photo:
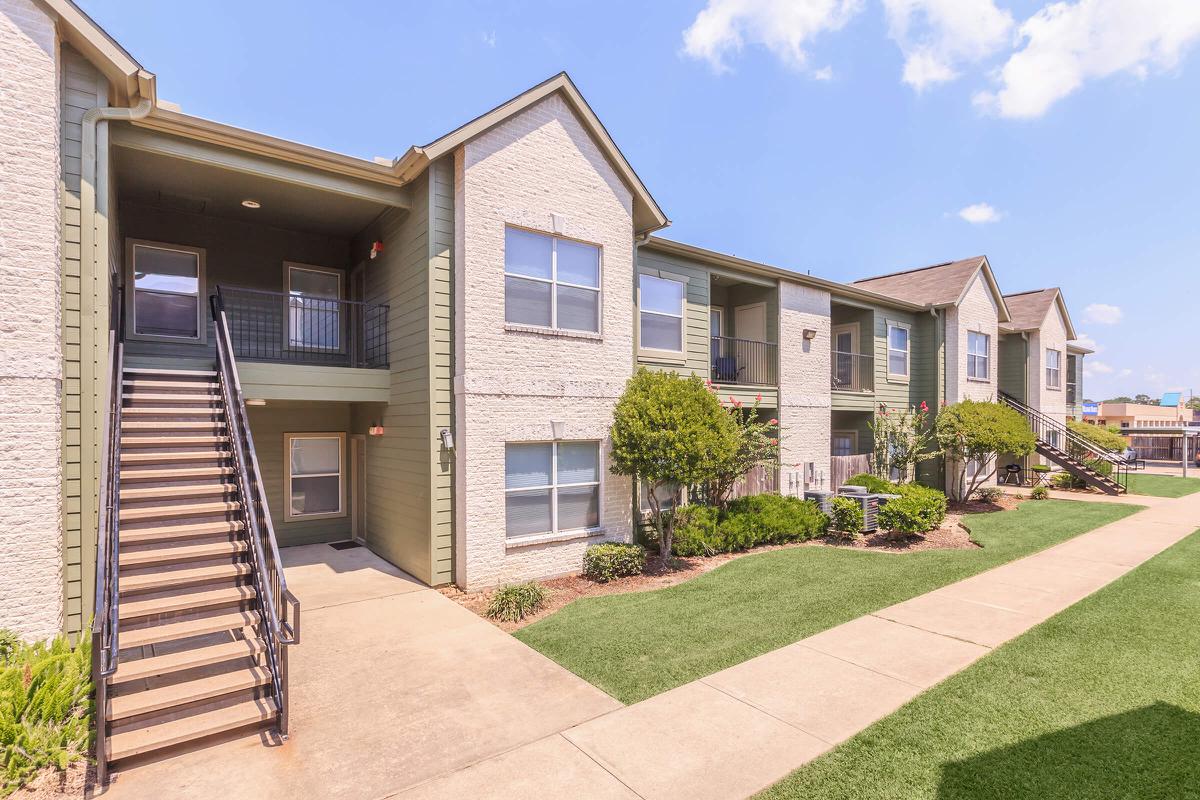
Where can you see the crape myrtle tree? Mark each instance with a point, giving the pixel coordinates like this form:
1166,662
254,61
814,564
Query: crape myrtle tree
670,431
757,446
978,431
901,439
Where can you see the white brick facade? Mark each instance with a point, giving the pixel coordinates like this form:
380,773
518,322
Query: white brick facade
510,384
805,404
1052,335
977,312
30,342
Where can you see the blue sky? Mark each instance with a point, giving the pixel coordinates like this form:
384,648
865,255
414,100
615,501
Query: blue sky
838,136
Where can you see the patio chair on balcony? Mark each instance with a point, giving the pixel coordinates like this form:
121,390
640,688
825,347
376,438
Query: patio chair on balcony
725,369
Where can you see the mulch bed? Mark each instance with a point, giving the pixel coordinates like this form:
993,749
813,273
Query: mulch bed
659,575
53,784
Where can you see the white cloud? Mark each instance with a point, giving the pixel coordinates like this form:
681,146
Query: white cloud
1103,314
979,214
1084,340
938,36
784,27
1093,367
823,74
488,38
1067,44
1125,373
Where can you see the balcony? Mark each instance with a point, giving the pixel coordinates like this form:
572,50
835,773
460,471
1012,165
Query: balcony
744,362
285,328
852,373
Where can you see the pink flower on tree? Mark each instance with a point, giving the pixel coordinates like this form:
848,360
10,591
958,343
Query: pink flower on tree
758,397
772,421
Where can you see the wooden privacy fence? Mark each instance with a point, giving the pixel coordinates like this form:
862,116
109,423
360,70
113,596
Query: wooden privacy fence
842,468
756,481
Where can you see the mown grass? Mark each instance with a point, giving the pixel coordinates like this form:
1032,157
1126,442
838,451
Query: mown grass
1163,485
634,646
1101,701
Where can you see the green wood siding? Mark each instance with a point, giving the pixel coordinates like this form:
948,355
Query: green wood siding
1013,376
298,382
85,316
410,488
268,424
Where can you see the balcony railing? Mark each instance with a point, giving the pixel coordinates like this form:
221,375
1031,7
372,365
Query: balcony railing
744,361
852,372
300,329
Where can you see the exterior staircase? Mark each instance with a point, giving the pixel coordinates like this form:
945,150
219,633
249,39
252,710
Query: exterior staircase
192,662
1059,444
193,617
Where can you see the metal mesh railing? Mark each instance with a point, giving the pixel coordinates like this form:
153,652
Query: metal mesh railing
300,329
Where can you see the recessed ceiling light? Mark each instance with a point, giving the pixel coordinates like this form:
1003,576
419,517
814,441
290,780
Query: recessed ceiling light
251,203
256,401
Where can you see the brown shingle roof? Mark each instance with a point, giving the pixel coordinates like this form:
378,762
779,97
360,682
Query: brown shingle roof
1027,310
936,285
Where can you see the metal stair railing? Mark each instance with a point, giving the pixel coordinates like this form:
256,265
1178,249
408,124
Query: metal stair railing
1082,453
278,630
106,623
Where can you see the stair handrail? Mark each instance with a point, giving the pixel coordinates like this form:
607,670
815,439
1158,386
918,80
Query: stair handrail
270,580
1039,420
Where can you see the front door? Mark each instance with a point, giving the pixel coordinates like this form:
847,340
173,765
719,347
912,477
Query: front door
358,488
845,346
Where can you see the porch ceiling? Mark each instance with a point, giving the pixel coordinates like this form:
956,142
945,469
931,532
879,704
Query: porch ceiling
200,188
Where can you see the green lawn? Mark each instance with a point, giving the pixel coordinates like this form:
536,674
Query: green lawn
634,646
1101,701
1163,485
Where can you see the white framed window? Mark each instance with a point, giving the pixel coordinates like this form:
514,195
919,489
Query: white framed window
844,443
716,329
314,307
551,487
669,496
978,356
898,348
166,291
1053,369
551,282
660,313
314,475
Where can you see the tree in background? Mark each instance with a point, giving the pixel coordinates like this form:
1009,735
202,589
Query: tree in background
757,446
1106,437
977,432
670,431
901,440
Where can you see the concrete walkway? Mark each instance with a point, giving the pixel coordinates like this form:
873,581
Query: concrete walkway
734,733
392,684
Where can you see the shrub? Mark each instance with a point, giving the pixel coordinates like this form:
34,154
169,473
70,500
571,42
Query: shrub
845,516
916,510
1065,480
45,706
872,483
517,600
1039,493
1107,437
989,494
604,562
747,522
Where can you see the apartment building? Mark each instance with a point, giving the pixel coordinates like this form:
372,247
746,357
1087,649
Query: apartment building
224,343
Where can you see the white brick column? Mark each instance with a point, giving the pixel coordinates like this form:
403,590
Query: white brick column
31,577
805,401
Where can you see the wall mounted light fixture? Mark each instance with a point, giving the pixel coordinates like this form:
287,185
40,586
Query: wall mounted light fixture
375,430
810,334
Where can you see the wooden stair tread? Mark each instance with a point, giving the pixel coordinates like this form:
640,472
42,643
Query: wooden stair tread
170,602
148,700
174,578
190,510
171,425
198,411
194,397
155,458
169,632
207,385
164,441
178,473
173,532
176,731
132,669
171,492
155,371
191,552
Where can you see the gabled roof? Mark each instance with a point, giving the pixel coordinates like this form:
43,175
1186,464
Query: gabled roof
938,285
647,216
93,42
1028,310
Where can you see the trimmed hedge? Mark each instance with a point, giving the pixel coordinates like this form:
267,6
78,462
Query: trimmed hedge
916,510
747,522
609,560
845,517
872,483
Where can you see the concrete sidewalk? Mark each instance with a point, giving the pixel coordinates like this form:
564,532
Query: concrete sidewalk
734,733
